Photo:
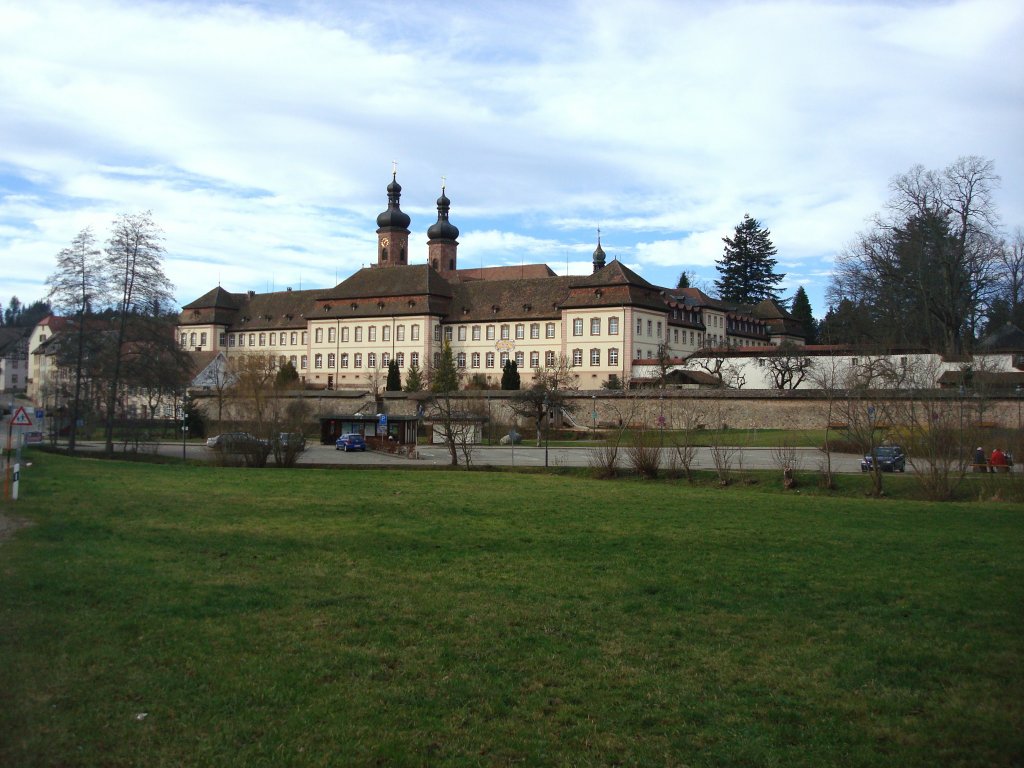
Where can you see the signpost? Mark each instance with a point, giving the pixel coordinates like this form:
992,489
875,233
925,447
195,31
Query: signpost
12,472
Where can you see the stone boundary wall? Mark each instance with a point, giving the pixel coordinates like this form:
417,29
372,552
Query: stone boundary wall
712,408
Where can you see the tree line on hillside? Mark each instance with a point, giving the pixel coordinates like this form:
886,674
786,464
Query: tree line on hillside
118,333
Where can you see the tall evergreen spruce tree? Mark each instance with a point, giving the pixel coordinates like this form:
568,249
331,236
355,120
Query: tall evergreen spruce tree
748,265
394,377
801,310
510,375
414,379
445,376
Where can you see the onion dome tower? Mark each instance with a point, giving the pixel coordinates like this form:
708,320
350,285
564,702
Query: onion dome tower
598,254
442,239
393,229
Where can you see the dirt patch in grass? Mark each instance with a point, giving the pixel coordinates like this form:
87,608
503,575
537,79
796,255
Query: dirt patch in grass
9,525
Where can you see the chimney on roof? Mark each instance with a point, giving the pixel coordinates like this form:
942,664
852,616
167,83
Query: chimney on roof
288,289
251,294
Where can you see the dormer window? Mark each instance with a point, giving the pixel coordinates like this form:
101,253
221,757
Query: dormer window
354,305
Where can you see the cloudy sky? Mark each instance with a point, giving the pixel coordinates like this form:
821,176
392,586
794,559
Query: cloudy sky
262,134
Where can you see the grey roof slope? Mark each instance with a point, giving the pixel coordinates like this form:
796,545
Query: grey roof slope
492,300
1009,337
383,282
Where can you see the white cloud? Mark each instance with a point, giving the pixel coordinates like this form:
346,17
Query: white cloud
261,137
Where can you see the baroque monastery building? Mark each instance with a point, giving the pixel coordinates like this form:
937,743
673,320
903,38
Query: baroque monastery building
603,323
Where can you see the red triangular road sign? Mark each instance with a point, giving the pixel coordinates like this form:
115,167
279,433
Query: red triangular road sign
20,418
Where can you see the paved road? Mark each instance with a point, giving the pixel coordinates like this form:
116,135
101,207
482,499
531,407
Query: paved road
506,456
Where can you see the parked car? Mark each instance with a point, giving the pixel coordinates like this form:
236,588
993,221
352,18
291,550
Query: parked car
293,440
890,459
235,442
350,442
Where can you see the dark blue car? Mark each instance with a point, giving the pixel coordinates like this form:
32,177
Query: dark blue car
350,442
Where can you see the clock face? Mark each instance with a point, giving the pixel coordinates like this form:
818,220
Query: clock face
384,242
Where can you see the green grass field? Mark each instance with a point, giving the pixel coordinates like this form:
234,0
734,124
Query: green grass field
186,615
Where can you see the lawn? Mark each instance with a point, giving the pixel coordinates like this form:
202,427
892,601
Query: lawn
187,615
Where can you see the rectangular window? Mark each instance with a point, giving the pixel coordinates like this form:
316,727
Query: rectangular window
650,328
639,326
293,361
659,329
462,333
503,359
490,333
222,339
595,326
460,360
675,335
476,333
231,339
318,336
534,330
371,359
535,359
577,326
549,331
415,331
305,337
520,331
371,333
595,357
414,357
263,339
305,362
505,332
613,356
344,359
318,360
359,334
520,360
448,333
184,340
577,357
330,335
437,359
475,360
385,333
385,359
294,336
549,359
357,360
490,360
400,358
437,333
400,333
330,360
273,339
344,335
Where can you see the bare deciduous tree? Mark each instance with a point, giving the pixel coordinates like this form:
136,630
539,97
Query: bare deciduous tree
133,264
77,289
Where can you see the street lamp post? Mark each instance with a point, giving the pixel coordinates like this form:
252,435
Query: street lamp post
547,420
1019,389
184,423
